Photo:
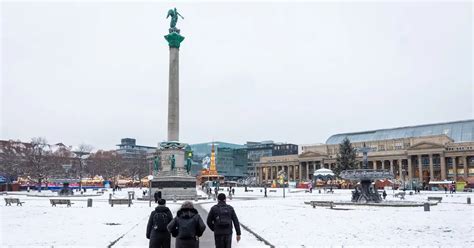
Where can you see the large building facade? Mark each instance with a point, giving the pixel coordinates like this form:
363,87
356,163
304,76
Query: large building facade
258,150
424,153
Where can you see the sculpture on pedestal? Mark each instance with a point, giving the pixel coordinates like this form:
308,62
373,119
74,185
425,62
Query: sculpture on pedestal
188,165
174,19
365,192
156,164
173,162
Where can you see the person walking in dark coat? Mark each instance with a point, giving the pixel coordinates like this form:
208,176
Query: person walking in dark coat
156,230
155,195
187,226
220,220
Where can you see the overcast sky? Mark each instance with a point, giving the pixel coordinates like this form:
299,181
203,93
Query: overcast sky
289,72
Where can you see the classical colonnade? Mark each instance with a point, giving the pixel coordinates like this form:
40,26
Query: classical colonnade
434,166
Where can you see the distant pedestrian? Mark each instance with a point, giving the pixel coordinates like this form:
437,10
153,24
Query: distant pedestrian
445,189
216,191
187,226
155,195
220,219
233,191
384,194
265,191
156,230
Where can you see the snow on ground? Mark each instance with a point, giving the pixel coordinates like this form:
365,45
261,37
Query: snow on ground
37,224
283,222
290,223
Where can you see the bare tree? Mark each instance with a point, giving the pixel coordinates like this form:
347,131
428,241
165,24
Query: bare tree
136,166
61,156
108,163
12,159
37,154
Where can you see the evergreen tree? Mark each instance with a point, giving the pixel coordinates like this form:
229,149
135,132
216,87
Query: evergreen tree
346,158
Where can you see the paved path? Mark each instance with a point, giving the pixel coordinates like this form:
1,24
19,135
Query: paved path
135,237
207,238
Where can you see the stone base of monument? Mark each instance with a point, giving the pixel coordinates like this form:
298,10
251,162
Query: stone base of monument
175,187
173,182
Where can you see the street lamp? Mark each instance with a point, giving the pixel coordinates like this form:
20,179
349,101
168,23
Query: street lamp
150,177
67,167
80,155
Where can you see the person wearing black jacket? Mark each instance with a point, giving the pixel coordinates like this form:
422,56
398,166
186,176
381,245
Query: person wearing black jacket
158,235
187,226
220,220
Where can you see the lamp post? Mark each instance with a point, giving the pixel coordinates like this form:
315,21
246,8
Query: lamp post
150,177
79,154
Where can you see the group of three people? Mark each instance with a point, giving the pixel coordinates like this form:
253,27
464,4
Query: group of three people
188,225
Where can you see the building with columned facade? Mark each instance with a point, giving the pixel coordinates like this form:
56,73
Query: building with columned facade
423,153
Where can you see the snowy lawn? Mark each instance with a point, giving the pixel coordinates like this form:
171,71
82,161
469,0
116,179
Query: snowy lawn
37,224
290,223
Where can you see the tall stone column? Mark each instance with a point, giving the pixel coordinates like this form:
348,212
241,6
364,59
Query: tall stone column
174,40
431,168
464,159
455,172
300,172
266,173
374,164
307,171
420,168
442,161
410,169
391,166
400,168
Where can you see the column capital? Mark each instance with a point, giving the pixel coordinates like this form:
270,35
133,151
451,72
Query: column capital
174,39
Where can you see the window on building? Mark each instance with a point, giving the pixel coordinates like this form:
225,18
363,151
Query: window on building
398,146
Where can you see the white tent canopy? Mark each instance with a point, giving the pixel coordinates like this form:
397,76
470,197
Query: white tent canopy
323,172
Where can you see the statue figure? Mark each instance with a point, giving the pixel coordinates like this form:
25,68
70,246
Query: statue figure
188,165
173,162
174,17
156,163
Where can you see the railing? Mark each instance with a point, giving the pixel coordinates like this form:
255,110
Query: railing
366,174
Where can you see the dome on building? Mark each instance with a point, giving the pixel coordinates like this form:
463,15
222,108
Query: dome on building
457,130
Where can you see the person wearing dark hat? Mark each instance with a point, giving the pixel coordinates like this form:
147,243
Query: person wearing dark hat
187,226
156,230
220,220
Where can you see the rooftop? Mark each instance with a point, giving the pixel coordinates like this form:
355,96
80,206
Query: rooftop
456,130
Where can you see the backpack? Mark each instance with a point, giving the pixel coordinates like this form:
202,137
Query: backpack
224,217
160,221
186,228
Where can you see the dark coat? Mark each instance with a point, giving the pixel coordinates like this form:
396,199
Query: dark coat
152,233
211,217
183,216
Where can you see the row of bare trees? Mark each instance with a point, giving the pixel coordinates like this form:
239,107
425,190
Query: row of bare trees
39,160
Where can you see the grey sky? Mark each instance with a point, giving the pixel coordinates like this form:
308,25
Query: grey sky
294,72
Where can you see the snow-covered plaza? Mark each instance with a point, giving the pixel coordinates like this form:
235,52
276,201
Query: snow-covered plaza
282,222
